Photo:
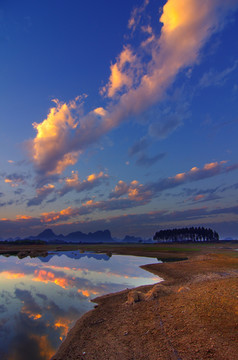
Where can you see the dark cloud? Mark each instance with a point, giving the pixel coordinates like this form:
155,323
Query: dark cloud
26,297
18,191
214,78
7,203
42,193
144,160
139,146
230,187
3,308
195,174
145,224
162,129
42,296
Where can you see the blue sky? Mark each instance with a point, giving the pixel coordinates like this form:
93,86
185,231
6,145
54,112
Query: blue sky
118,115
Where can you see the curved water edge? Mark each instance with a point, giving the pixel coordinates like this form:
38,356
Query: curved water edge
41,298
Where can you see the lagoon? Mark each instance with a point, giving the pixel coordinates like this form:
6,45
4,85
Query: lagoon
41,298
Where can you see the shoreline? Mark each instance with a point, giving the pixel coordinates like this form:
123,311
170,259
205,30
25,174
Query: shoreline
196,304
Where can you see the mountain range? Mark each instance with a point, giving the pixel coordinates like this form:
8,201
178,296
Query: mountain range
74,237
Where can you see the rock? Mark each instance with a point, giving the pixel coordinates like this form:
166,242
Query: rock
135,296
157,290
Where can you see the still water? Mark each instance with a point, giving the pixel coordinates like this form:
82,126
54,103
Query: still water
41,298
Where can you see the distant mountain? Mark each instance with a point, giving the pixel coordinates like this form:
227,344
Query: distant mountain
47,234
131,239
100,236
74,237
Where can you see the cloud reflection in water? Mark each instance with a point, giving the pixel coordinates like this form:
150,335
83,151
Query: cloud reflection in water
41,298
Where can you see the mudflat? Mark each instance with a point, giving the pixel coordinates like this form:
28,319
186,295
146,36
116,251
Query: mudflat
191,315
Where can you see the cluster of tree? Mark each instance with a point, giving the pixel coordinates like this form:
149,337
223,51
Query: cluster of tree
186,234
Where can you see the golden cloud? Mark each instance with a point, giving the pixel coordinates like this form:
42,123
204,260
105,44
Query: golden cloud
12,275
53,135
48,276
133,84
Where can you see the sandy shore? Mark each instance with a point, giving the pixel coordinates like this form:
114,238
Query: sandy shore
193,314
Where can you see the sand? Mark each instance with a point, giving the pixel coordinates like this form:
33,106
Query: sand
191,315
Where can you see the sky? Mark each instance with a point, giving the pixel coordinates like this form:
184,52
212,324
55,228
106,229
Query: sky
119,115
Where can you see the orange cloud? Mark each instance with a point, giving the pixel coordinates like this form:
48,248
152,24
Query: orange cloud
134,84
53,135
12,275
45,188
100,111
23,217
121,75
87,292
48,276
46,349
30,314
10,182
73,182
58,215
199,197
134,191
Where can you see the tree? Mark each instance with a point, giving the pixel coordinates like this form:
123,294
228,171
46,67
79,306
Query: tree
186,234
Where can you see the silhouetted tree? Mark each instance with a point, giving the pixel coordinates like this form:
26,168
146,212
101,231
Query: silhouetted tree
186,234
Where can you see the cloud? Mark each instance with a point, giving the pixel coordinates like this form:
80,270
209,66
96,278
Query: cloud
213,78
50,148
139,146
166,125
136,82
54,216
146,223
145,160
136,15
73,182
15,180
41,194
133,190
122,73
194,174
125,196
6,203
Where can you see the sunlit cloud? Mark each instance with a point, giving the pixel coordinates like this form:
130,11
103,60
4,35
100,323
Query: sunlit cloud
134,191
30,314
73,182
122,73
194,174
100,111
46,349
63,214
15,180
136,15
50,148
48,276
136,82
24,217
88,292
11,275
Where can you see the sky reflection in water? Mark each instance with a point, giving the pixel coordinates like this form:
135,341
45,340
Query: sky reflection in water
41,298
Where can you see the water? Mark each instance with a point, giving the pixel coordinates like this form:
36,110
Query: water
41,298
